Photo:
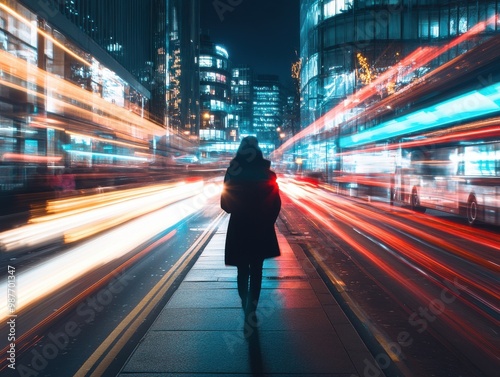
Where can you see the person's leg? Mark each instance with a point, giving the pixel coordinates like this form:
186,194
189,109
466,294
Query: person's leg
255,283
242,279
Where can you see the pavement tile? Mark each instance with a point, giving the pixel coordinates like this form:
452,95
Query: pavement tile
205,298
217,284
319,286
285,284
188,319
336,314
218,319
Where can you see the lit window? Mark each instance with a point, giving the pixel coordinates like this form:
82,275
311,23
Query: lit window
333,7
434,29
329,9
220,78
206,61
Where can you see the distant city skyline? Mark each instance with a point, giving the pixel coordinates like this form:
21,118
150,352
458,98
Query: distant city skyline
263,34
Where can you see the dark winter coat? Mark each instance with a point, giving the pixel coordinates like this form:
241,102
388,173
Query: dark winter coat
251,196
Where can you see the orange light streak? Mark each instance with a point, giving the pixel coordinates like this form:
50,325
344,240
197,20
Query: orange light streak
351,213
316,208
52,274
474,235
62,95
80,217
24,339
19,157
41,32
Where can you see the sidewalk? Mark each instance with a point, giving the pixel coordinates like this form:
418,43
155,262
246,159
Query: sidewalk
301,330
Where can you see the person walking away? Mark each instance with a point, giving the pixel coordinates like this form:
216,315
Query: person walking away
251,196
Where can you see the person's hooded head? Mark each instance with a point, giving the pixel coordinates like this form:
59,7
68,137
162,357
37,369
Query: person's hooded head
249,150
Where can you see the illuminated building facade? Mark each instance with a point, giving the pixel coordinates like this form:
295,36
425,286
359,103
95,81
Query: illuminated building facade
268,107
182,69
242,98
69,103
153,41
215,80
346,44
93,28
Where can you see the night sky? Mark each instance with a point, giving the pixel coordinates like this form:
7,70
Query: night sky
261,33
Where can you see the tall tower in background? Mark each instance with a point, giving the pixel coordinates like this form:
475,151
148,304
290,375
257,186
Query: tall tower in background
268,107
157,71
183,85
242,98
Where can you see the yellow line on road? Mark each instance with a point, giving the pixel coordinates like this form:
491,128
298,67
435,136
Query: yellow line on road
104,355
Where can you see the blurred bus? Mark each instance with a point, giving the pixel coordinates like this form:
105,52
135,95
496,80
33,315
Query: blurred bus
445,147
462,178
433,144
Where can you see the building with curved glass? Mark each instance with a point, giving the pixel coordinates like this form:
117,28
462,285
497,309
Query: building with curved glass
347,44
215,88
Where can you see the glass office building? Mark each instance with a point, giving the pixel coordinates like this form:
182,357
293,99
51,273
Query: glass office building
346,44
152,42
90,26
68,103
215,80
268,107
242,98
121,27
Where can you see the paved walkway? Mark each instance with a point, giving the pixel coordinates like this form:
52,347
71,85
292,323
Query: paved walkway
301,330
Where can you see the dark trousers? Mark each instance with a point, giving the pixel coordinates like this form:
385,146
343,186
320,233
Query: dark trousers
253,272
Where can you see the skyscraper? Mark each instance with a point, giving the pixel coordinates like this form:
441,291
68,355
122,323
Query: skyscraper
183,43
267,107
242,97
